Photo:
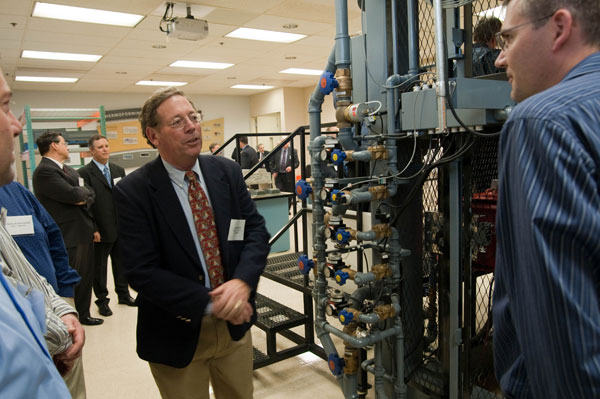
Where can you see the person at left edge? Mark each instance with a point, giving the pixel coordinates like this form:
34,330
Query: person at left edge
101,175
189,331
62,192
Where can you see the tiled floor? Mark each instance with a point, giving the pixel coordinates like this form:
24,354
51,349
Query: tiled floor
113,370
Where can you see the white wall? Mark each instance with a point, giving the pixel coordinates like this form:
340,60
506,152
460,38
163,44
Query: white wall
235,109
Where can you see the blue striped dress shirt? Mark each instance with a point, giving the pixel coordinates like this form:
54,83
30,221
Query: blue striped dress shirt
547,296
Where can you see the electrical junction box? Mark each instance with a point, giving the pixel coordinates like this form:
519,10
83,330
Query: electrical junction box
187,29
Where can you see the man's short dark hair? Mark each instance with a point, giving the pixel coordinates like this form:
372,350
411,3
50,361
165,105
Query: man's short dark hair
586,14
148,117
94,138
244,139
45,140
486,29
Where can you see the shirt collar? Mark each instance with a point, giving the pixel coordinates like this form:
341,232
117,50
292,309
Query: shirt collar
178,176
60,164
99,165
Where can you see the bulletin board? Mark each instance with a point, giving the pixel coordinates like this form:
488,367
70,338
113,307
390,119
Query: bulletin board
213,132
125,136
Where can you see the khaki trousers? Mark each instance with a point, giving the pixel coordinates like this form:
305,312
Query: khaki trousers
226,363
74,379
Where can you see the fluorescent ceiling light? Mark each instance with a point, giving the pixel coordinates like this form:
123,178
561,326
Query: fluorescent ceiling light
159,83
302,71
48,55
80,14
201,64
252,87
46,79
265,35
498,12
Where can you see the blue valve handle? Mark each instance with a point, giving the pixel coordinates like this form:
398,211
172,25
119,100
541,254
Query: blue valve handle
303,189
336,364
341,277
338,156
342,236
345,317
327,83
305,264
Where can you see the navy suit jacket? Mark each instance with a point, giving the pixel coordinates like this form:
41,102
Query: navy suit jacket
161,261
103,210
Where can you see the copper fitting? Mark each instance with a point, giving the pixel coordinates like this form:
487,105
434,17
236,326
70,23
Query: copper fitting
378,152
379,192
381,271
351,360
381,231
385,311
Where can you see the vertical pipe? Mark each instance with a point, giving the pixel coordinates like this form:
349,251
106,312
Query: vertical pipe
413,37
395,50
455,255
342,39
441,65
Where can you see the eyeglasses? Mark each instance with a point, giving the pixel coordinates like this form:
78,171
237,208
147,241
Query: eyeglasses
503,37
179,123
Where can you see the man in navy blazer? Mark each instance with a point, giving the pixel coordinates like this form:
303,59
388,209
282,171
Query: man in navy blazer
188,331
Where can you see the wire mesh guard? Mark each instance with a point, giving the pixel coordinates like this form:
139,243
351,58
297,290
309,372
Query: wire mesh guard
481,383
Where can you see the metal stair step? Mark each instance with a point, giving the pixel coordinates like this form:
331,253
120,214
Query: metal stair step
273,316
284,269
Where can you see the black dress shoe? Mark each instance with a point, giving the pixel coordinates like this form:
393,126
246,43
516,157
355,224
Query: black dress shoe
90,321
126,300
104,310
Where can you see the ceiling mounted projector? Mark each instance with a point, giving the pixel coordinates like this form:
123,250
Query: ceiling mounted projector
187,28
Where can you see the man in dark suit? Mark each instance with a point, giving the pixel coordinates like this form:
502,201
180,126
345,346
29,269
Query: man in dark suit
101,176
196,247
248,155
262,154
61,191
283,165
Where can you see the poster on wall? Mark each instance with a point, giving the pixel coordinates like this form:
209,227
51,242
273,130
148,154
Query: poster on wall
213,131
123,130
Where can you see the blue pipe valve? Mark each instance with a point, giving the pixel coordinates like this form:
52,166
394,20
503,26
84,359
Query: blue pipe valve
341,277
345,317
338,156
327,82
305,264
336,364
303,189
343,236
337,196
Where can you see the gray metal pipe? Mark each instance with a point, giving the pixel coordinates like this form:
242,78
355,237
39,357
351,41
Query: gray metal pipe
363,156
369,340
342,39
379,372
441,66
400,385
413,38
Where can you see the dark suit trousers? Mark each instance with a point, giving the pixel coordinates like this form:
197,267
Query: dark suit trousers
285,181
101,252
81,259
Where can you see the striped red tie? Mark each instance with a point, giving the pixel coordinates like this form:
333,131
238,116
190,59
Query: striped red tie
206,229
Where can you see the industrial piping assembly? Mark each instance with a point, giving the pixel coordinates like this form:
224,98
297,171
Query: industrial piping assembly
380,313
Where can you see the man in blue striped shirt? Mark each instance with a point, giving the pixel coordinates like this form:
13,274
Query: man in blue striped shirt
547,297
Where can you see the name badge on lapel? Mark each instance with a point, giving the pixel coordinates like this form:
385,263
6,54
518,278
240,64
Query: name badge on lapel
19,225
81,183
236,230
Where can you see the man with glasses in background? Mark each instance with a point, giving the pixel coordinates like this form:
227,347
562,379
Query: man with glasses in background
547,297
195,247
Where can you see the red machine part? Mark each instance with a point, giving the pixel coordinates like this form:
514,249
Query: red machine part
483,206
